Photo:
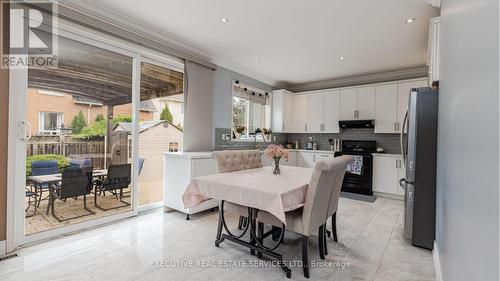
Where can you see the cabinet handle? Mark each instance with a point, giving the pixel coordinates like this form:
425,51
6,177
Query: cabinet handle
354,113
314,157
394,126
305,128
397,125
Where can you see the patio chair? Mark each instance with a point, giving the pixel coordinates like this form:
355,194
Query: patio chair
118,178
74,183
40,168
30,194
86,165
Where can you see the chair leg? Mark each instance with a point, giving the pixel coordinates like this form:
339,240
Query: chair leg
240,223
325,247
321,243
334,226
305,259
260,237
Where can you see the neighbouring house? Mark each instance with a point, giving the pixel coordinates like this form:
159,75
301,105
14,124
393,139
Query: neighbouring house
175,104
49,112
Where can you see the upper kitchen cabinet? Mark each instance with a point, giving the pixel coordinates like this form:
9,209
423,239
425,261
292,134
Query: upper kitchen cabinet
365,101
323,112
299,116
403,98
314,113
386,108
433,49
282,117
357,103
331,111
348,105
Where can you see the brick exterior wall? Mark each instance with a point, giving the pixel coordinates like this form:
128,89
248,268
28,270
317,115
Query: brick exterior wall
38,102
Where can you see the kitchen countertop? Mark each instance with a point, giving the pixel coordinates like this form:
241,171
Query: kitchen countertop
190,155
387,154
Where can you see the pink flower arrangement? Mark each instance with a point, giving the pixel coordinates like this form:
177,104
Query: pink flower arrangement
274,151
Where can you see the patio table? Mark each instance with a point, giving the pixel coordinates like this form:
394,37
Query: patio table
52,179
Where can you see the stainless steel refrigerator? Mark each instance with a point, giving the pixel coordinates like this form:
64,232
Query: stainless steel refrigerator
418,147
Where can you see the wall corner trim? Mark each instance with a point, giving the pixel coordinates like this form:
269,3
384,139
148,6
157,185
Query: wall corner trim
3,248
437,262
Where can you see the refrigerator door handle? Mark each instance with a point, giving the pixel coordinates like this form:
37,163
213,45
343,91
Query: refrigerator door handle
403,153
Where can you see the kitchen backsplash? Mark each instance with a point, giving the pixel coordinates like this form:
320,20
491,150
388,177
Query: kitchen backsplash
389,142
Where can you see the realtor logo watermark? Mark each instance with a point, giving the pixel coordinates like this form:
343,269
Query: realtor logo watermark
32,32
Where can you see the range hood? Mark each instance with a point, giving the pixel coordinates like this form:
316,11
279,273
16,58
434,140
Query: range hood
356,124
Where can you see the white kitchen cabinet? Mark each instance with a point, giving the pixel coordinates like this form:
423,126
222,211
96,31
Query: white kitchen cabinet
357,103
331,114
386,108
282,111
387,170
433,49
348,104
179,169
403,98
299,114
391,102
365,101
307,159
315,107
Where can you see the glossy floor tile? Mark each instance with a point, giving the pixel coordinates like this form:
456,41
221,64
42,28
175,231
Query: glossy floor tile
164,246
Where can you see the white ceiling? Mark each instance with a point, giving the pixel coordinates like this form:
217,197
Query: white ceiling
297,41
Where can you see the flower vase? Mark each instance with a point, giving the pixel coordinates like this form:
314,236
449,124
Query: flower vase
276,170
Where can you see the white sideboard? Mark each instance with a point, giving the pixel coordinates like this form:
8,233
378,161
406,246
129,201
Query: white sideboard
179,169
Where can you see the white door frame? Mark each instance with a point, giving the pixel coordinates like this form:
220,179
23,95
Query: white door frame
18,85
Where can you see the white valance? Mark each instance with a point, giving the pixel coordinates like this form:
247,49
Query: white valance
253,94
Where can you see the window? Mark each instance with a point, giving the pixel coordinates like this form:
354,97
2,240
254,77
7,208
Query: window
50,122
251,111
173,146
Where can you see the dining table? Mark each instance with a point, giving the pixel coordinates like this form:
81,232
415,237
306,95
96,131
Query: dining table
257,190
52,181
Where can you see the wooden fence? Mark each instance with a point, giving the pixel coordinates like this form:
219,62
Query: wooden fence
69,147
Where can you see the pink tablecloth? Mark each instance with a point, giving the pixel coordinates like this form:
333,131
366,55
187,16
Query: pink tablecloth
256,188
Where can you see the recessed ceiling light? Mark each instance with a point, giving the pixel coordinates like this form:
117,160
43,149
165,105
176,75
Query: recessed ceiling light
410,20
256,58
341,58
224,20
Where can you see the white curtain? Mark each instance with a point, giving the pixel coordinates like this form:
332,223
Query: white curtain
198,97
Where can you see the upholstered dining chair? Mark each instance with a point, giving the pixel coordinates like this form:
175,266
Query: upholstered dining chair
237,160
324,188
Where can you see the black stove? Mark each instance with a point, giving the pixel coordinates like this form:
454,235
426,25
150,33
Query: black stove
359,180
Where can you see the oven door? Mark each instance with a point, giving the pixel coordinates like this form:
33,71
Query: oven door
361,184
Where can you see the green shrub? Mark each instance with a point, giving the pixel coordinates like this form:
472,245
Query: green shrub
96,129
166,115
121,118
78,123
99,117
62,162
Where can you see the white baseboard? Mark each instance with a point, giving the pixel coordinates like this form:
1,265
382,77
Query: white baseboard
437,263
3,248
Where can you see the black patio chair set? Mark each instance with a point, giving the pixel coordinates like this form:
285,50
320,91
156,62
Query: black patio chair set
75,181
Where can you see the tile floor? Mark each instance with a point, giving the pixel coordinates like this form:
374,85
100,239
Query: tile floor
164,246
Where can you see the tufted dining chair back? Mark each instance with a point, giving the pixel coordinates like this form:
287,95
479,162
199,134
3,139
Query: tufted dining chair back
237,160
324,187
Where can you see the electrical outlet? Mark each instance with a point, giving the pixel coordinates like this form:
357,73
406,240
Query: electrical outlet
223,136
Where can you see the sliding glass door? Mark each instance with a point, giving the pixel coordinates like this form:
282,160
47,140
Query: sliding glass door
160,128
